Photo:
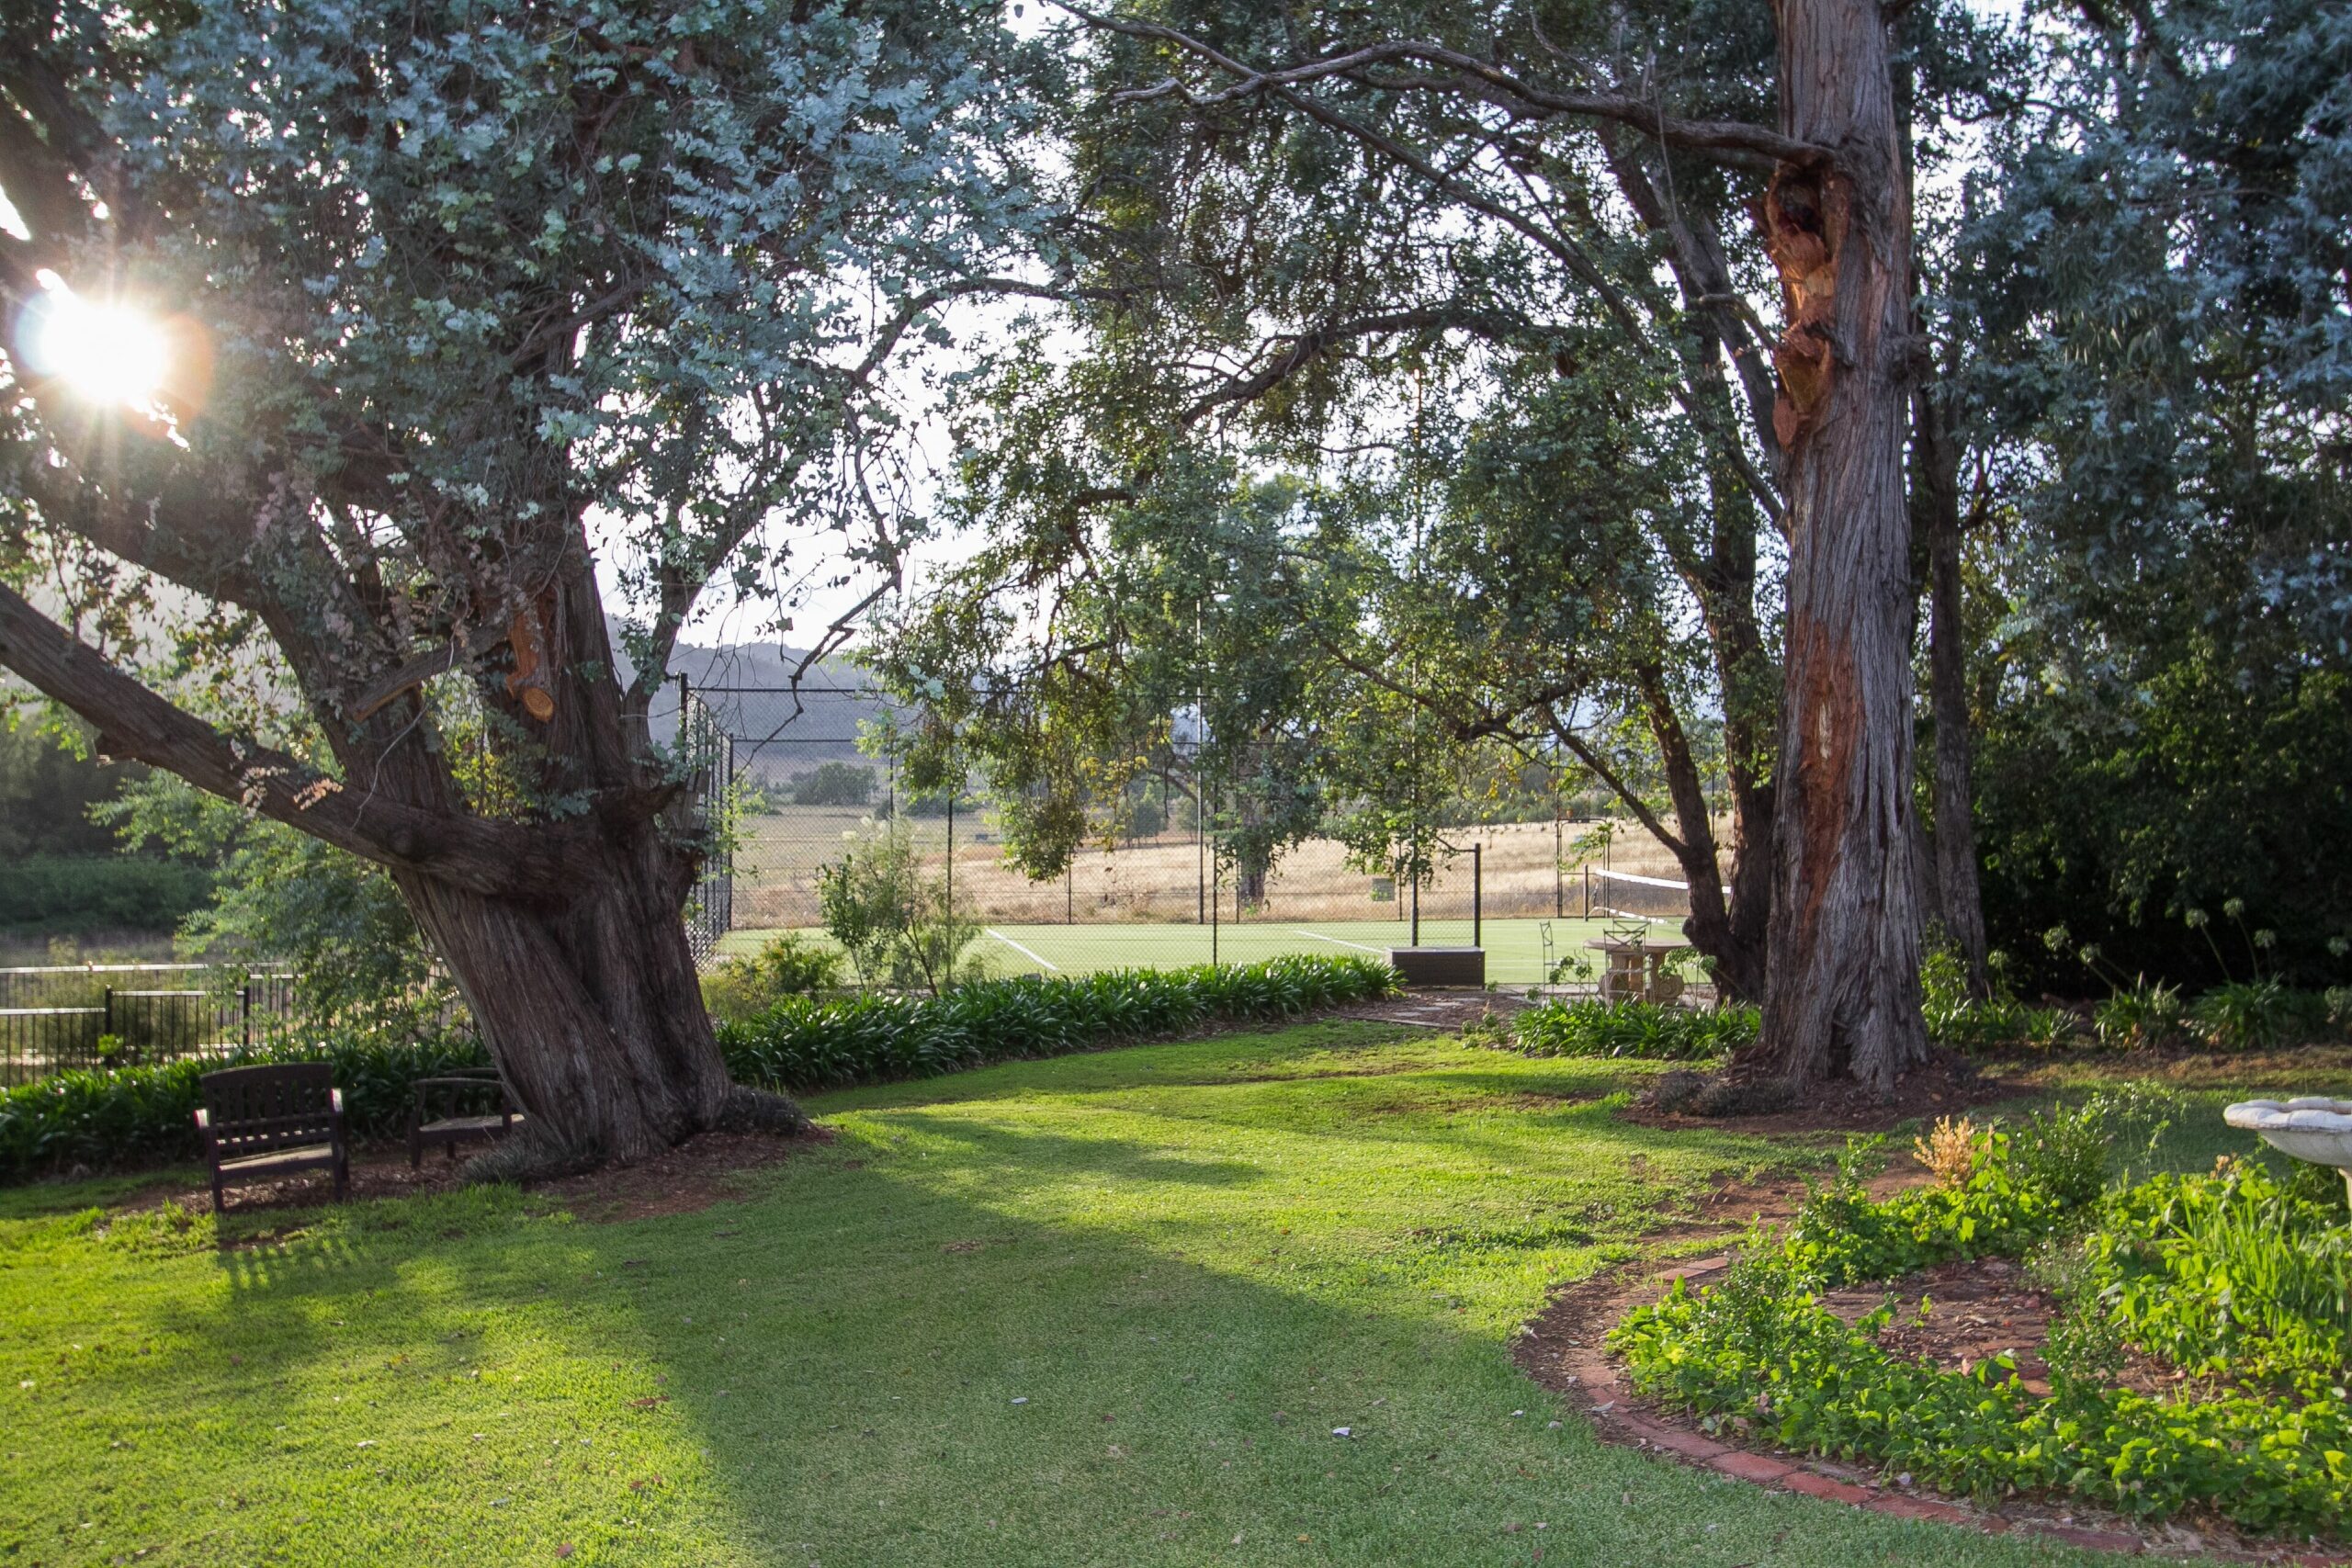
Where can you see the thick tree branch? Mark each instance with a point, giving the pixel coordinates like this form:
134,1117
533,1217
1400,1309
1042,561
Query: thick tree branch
1643,115
1304,349
423,668
484,857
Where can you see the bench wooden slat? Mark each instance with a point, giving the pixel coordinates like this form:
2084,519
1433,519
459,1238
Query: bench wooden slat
269,1119
449,1130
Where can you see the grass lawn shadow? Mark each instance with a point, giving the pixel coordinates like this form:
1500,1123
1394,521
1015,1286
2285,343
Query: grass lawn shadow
1076,1323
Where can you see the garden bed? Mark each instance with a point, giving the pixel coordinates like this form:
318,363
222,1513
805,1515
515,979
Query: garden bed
2169,1353
1564,1350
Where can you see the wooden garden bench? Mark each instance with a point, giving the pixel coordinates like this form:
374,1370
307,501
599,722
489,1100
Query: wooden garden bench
268,1121
438,1117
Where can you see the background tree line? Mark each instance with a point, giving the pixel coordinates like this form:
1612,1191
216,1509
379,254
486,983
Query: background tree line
1409,431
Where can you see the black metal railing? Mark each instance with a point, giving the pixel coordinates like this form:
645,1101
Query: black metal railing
53,1018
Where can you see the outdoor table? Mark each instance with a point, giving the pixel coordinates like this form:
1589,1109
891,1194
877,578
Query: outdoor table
1637,969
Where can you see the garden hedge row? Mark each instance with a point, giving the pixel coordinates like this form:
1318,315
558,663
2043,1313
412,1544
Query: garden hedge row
141,1114
804,1044
87,893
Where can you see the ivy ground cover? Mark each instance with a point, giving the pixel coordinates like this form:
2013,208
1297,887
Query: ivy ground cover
1108,1308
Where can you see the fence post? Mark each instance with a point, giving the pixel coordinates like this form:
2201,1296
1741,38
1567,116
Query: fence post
245,1011
1214,890
1559,891
108,1028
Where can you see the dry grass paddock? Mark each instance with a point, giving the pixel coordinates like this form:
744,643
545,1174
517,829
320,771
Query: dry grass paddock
1159,880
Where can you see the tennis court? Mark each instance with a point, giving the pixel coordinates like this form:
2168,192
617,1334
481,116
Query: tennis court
1515,948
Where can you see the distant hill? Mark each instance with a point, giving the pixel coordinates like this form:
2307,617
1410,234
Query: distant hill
750,684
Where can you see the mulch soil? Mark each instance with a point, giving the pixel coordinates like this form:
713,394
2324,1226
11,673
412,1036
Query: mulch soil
1975,1310
1948,1085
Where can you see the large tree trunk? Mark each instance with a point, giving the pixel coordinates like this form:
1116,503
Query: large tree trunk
1842,997
590,1007
1959,900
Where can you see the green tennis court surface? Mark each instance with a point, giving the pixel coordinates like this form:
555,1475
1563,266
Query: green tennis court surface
1514,948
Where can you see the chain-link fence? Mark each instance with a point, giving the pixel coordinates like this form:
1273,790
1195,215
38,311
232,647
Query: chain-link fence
805,793
708,752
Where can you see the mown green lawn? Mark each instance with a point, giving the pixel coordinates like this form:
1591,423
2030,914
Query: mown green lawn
1103,1310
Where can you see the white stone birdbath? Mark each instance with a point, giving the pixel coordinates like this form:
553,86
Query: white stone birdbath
2313,1128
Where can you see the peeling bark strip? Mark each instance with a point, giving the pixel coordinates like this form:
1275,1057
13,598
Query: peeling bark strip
1804,227
1842,992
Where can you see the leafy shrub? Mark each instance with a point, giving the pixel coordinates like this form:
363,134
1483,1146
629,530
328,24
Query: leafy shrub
1762,1346
1643,1030
1842,1236
129,1115
1951,1151
834,783
2145,1015
791,966
2236,1274
2247,1015
900,926
2063,1152
804,1043
1971,1024
89,893
2016,1189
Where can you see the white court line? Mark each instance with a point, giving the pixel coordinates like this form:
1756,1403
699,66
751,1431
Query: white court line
1016,947
1319,936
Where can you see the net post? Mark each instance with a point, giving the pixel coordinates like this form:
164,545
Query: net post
1477,893
1415,940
